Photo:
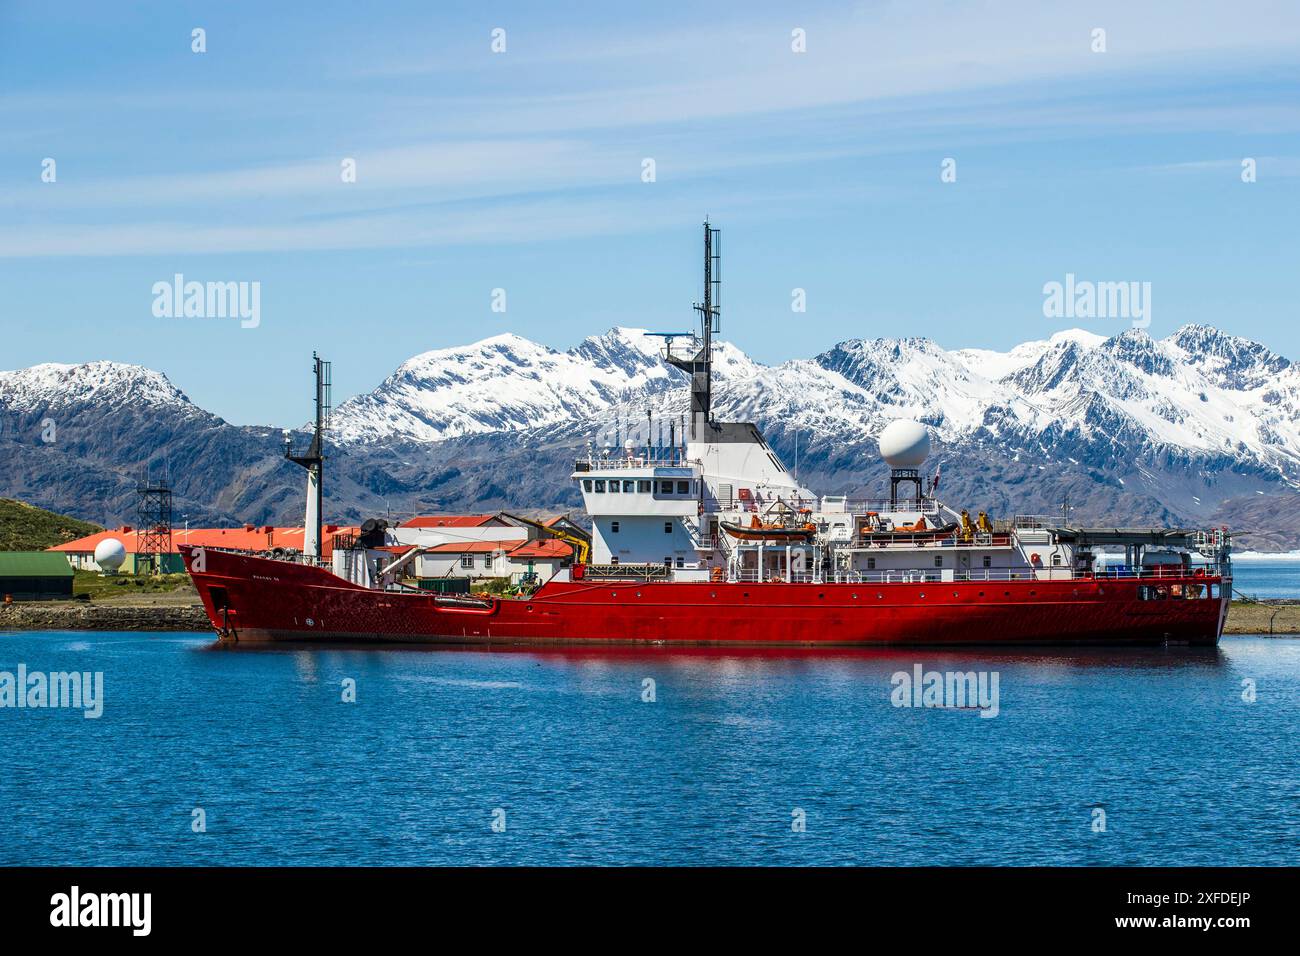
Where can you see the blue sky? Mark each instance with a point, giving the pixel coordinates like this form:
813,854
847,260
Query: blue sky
522,170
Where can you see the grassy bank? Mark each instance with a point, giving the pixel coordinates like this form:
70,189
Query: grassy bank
1259,617
25,528
176,588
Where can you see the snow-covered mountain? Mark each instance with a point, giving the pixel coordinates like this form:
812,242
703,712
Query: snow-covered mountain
53,386
508,383
1200,393
1195,428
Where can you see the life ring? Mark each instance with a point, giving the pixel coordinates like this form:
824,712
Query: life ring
716,575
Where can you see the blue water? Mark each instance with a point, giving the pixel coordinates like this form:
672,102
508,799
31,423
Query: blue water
1260,579
710,773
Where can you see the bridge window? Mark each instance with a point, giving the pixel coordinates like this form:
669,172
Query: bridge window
629,487
683,487
643,487
586,484
665,487
938,560
600,485
613,486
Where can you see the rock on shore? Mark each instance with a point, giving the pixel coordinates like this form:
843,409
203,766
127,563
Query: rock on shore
81,616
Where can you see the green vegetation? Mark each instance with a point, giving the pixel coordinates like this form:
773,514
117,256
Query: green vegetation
25,528
106,587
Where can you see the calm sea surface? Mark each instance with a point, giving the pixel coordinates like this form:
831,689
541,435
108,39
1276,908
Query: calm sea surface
711,772
1261,579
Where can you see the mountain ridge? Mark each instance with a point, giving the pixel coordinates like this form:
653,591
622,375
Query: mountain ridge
1128,427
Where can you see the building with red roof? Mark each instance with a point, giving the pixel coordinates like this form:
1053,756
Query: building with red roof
250,538
455,521
507,558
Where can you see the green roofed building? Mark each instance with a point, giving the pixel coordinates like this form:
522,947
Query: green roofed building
34,576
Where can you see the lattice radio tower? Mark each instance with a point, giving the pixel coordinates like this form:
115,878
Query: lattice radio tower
154,522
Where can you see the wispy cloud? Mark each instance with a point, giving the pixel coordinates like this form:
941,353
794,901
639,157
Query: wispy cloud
712,100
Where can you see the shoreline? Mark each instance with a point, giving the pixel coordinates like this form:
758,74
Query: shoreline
1271,618
87,616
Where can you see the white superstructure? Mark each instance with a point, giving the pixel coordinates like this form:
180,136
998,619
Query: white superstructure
722,506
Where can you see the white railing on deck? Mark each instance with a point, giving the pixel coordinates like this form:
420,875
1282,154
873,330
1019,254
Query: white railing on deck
939,576
636,460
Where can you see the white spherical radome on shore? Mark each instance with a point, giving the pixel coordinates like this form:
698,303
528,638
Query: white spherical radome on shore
904,443
110,554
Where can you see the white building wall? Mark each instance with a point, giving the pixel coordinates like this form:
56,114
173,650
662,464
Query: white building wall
448,565
544,568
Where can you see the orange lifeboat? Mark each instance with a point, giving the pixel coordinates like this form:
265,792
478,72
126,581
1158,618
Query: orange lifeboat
761,531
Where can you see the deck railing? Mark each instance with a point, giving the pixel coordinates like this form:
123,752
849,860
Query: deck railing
903,539
939,576
661,458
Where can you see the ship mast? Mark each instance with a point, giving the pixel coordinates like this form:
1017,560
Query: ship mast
700,364
313,459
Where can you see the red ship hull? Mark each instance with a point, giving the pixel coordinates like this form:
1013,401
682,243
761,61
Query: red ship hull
258,599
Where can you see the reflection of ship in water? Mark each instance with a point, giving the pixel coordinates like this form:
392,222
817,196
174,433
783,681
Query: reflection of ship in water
710,539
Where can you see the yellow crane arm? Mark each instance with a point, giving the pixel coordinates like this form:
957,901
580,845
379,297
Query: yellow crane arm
581,548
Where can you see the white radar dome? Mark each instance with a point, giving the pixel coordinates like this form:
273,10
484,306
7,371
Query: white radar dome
110,554
904,444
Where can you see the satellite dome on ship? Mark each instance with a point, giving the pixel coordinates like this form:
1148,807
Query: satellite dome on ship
904,443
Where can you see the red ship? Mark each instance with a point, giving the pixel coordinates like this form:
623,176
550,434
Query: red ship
711,540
